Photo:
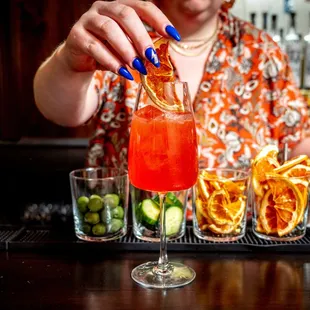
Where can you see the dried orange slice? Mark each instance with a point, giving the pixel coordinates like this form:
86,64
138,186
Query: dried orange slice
221,229
259,227
203,191
291,163
297,171
220,209
281,206
153,81
302,185
265,161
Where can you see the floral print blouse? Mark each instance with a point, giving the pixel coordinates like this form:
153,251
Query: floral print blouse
247,98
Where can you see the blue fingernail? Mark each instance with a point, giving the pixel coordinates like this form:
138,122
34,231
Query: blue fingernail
173,33
138,65
151,55
125,73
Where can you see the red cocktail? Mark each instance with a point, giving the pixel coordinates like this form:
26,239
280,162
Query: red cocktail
163,150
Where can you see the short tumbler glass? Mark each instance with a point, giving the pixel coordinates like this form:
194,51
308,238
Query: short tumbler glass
280,206
100,203
220,203
146,211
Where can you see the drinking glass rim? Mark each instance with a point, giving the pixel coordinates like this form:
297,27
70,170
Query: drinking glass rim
123,173
246,173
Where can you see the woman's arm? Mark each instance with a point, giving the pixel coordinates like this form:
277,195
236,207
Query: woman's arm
111,35
62,95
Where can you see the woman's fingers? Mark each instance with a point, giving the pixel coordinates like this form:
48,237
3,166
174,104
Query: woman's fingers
131,24
108,30
154,17
113,34
87,44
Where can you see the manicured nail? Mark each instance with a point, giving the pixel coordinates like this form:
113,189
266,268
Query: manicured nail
125,73
138,65
151,55
173,33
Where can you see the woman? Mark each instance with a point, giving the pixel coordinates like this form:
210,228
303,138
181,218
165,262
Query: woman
241,84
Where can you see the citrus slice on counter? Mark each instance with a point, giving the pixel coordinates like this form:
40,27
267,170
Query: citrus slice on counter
281,206
154,81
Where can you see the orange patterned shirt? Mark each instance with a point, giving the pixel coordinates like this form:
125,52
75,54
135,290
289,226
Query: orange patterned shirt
246,99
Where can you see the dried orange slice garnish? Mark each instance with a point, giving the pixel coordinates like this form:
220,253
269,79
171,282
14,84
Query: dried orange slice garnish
217,208
221,229
291,163
154,81
265,161
297,171
220,203
281,206
302,184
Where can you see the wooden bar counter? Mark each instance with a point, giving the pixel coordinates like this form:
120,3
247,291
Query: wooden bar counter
36,280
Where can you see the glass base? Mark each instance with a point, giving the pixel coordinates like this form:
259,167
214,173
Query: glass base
274,238
217,238
177,275
156,239
109,237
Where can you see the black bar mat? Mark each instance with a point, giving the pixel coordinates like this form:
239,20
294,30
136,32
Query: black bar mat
38,238
7,233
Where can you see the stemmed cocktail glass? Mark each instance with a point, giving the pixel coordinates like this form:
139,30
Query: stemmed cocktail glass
163,158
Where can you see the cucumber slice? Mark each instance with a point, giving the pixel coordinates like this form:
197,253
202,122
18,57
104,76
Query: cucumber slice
174,219
172,200
150,211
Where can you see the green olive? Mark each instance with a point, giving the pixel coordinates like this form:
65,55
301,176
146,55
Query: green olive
86,228
82,203
118,213
92,218
111,200
99,229
95,203
115,225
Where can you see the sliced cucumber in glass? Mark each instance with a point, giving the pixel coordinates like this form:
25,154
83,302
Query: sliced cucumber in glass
150,211
174,219
172,200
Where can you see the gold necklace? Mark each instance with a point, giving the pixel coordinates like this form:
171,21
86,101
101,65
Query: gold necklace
186,49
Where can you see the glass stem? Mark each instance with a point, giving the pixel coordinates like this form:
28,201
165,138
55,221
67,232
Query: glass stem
163,257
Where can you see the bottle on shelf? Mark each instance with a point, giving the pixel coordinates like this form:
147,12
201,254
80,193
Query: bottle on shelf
293,48
253,18
306,67
265,21
275,34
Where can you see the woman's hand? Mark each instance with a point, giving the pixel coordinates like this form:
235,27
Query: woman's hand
111,35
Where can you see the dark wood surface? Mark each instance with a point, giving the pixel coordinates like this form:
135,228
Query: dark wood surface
102,281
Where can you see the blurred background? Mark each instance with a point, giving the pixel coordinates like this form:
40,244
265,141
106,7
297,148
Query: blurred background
36,155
